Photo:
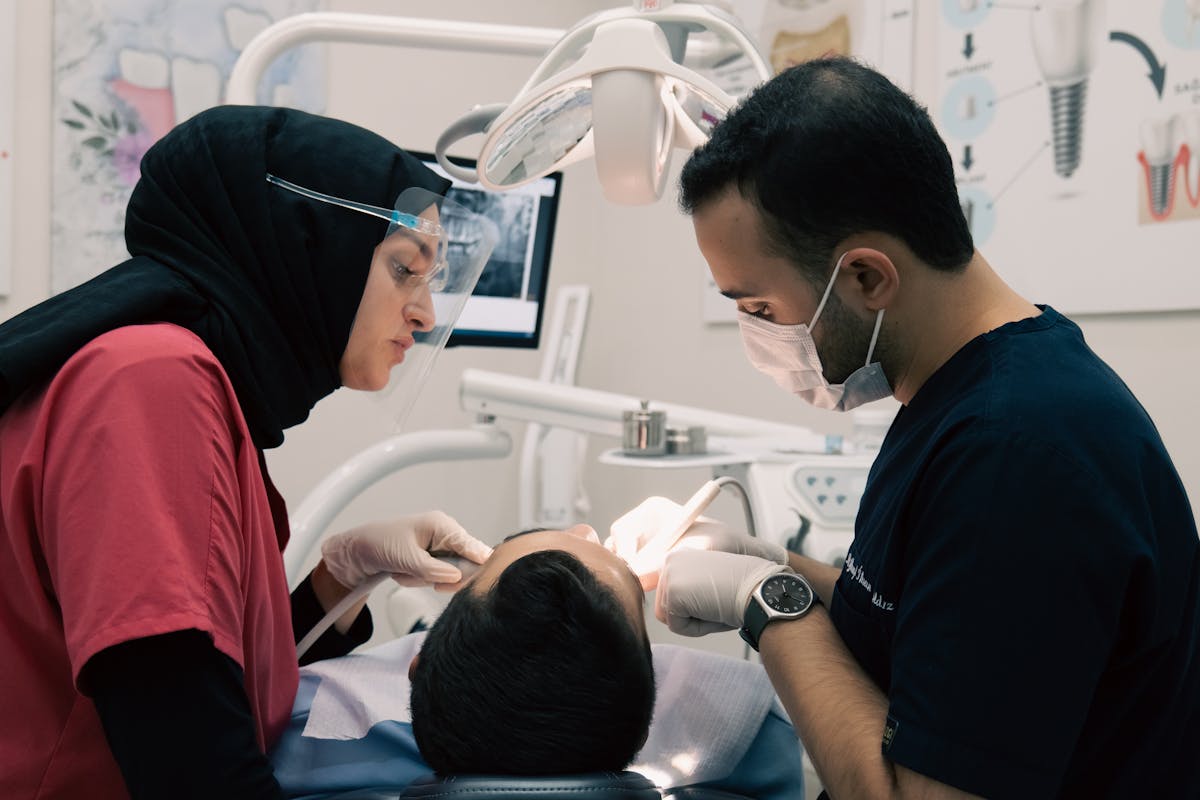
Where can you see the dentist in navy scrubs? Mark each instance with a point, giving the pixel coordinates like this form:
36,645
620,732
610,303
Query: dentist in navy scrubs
1018,615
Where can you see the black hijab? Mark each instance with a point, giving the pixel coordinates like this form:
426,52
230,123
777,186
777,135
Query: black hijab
268,279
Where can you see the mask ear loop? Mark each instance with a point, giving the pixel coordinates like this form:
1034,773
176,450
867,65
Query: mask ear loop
828,289
825,298
874,337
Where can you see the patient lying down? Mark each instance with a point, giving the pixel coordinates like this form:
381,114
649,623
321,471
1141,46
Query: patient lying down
539,665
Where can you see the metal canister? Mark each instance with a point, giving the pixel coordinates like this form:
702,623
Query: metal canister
691,441
644,432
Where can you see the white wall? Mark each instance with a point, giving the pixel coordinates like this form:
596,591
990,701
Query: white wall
31,159
646,337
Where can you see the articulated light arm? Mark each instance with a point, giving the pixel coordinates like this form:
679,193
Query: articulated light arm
612,88
436,34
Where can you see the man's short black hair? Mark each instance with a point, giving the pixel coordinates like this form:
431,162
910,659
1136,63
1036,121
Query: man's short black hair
827,149
543,674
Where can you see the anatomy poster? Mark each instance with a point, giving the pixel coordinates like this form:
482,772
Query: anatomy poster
8,84
880,32
126,72
1075,130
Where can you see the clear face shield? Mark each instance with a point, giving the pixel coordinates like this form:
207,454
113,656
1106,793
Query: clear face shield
468,240
434,251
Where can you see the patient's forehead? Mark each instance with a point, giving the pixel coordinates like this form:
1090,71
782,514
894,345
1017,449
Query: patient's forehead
580,531
582,543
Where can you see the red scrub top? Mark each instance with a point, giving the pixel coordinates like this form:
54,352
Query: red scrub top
132,504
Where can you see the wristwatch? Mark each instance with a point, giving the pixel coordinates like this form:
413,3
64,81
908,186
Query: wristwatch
784,595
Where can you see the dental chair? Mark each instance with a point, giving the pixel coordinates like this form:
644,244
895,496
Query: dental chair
594,786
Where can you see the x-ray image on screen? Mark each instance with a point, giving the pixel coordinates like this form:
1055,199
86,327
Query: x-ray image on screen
505,310
505,273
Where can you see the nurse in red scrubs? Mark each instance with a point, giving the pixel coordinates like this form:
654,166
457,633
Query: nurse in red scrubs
147,636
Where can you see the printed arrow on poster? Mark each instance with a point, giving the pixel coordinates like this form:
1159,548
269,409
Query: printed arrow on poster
969,46
1158,72
967,160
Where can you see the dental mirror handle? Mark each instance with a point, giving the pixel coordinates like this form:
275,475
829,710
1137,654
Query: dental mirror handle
692,510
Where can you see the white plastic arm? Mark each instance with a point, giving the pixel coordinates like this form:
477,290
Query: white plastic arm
437,34
363,470
593,411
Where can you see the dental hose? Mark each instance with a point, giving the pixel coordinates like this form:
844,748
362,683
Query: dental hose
465,567
338,610
740,491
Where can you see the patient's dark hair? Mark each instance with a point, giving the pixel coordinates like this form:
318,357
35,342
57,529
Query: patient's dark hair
543,674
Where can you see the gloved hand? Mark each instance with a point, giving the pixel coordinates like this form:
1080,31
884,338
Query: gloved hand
704,591
630,533
740,544
402,547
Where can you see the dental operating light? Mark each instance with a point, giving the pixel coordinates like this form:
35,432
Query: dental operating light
614,89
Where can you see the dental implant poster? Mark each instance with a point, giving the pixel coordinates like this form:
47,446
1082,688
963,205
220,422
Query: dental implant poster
125,73
1075,130
8,82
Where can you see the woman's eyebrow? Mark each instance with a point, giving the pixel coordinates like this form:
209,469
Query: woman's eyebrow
421,244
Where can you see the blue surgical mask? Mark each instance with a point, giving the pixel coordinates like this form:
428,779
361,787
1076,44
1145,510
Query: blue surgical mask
788,355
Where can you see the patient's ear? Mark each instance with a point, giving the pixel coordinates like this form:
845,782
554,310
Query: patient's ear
412,666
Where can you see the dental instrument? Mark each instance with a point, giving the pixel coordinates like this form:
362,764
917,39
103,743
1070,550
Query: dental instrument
649,557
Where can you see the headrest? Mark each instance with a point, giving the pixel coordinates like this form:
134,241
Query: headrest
593,786
701,793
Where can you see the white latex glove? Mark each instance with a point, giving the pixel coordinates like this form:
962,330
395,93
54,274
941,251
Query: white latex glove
629,534
705,591
402,547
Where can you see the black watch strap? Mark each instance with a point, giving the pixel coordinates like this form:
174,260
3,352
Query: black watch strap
753,623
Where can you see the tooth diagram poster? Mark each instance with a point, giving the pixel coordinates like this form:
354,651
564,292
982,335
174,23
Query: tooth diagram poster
1075,131
125,73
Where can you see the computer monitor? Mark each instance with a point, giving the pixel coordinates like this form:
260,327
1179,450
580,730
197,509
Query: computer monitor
505,310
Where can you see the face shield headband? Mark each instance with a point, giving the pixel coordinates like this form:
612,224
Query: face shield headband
429,232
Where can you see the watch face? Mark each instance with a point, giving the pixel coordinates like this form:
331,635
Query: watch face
786,594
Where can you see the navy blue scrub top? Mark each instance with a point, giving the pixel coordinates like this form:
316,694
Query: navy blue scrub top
1023,582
